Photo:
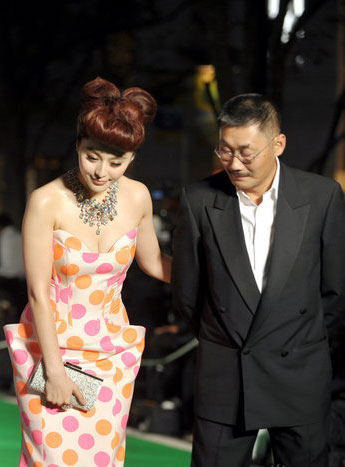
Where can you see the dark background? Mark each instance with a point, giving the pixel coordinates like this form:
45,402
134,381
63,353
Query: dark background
192,55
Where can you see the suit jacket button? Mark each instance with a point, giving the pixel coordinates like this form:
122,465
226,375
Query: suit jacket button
285,353
246,351
304,310
222,309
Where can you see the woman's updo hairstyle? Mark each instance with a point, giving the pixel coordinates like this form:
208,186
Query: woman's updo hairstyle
113,118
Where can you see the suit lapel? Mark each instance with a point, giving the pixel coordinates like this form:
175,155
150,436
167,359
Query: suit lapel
290,222
226,223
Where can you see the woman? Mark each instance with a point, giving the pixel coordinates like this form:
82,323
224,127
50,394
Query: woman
97,219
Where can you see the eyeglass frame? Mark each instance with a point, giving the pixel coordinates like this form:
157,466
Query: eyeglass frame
243,159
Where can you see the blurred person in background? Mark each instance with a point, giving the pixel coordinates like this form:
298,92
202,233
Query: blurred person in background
259,272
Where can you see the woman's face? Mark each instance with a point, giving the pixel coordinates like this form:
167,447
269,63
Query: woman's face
100,165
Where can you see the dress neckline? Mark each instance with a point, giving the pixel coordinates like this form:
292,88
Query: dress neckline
133,231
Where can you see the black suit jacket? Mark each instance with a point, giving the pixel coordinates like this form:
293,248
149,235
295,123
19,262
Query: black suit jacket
262,357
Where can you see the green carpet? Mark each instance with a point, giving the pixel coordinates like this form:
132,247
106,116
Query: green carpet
138,452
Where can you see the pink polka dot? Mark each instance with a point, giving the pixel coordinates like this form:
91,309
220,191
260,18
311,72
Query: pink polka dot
78,311
25,418
70,423
62,351
44,455
53,410
53,465
66,294
105,394
90,257
101,459
28,313
91,372
136,370
117,407
30,370
132,233
128,359
9,337
37,437
124,422
92,327
20,356
111,281
86,441
22,461
119,349
104,268
106,344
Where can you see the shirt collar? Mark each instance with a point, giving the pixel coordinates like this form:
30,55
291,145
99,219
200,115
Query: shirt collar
272,192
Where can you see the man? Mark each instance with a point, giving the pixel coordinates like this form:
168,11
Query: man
259,266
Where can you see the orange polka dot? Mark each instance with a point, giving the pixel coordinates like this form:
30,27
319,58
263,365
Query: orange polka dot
53,439
43,423
29,447
22,388
127,390
118,375
105,364
38,464
70,457
133,251
70,270
73,242
58,251
70,321
90,413
130,335
75,342
125,317
113,327
53,305
103,427
35,405
34,348
115,306
25,330
109,296
122,256
61,326
96,297
141,346
120,454
115,440
83,282
91,355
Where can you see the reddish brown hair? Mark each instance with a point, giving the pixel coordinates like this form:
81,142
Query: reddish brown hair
116,119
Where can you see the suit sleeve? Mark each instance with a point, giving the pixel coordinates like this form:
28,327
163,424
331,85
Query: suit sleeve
333,261
187,264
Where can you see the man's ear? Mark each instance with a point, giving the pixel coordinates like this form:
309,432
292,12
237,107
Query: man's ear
279,144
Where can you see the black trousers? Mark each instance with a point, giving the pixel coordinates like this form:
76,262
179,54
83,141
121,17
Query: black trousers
220,445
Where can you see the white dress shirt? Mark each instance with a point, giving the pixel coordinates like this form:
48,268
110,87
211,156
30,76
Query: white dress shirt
258,227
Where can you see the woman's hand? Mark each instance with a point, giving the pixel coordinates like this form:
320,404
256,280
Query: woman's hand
59,390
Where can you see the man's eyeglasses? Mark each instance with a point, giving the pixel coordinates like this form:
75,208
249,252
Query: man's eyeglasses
227,156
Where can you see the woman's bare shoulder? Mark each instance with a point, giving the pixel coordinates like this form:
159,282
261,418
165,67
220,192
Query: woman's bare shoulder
48,195
138,191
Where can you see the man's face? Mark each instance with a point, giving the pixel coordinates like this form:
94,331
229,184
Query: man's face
257,176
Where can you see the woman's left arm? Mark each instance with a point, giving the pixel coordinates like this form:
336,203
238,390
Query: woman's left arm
148,254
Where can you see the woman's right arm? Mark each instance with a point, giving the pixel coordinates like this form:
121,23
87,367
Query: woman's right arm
38,225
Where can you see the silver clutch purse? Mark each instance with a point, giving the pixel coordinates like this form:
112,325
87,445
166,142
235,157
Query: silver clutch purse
88,385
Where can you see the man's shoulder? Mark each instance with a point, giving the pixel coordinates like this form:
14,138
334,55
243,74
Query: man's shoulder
310,181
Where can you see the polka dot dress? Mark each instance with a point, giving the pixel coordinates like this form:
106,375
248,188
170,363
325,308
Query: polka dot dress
93,332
